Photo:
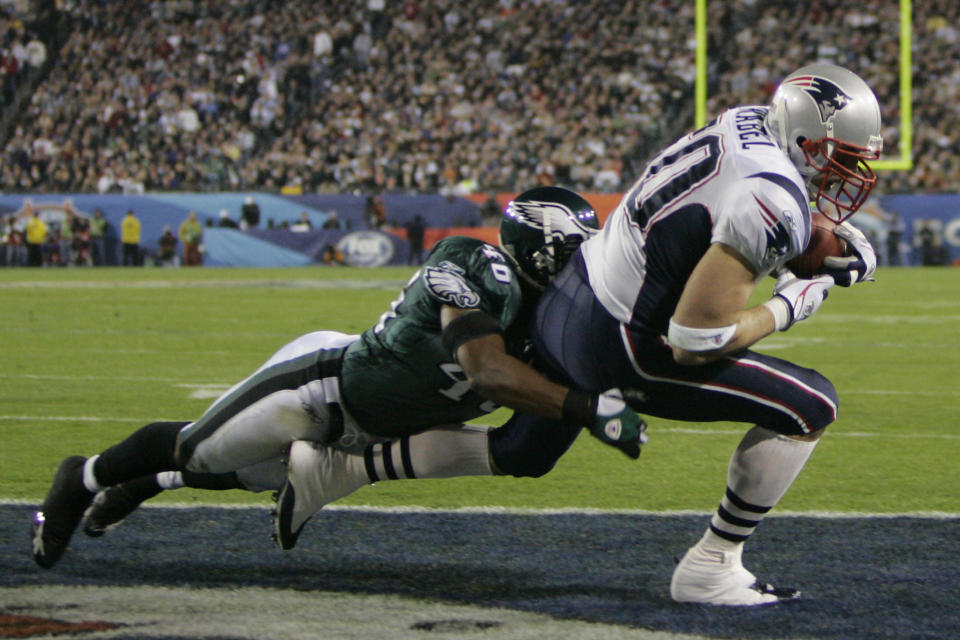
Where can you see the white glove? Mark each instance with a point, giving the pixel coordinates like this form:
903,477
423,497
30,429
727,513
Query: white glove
795,299
855,268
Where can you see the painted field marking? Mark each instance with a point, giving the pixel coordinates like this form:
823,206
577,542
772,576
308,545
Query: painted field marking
180,382
833,433
555,511
204,391
207,284
29,376
673,430
84,419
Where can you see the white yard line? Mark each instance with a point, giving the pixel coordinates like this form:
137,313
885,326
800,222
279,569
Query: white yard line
216,390
529,511
174,381
206,284
180,382
83,419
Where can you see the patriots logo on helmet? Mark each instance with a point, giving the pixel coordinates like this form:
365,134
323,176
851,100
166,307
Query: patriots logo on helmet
828,96
445,281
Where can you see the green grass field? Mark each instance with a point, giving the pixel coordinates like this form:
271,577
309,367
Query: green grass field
90,355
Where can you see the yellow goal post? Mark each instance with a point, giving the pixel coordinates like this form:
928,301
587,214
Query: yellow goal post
905,159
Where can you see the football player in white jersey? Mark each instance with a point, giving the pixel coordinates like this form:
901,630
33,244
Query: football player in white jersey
658,302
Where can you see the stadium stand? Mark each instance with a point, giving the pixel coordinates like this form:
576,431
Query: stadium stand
300,96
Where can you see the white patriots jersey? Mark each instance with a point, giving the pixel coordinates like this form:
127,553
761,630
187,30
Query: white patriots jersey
726,183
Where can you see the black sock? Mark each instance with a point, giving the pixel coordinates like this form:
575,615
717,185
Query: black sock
212,481
141,489
145,452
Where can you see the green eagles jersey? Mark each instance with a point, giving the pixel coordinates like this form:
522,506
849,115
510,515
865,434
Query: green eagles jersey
398,378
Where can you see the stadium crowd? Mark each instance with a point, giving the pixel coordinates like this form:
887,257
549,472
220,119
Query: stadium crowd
448,95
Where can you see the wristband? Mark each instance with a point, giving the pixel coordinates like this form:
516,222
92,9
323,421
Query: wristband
782,312
580,407
698,340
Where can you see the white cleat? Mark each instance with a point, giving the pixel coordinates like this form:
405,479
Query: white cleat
719,578
316,476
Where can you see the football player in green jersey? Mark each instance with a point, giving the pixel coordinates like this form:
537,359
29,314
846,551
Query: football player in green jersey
451,348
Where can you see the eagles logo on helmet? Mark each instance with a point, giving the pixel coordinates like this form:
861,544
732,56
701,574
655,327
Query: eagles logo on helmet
542,227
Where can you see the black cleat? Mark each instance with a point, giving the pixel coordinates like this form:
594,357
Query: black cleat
782,594
61,512
113,505
284,533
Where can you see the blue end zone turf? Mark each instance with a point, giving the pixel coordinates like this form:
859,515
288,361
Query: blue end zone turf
875,577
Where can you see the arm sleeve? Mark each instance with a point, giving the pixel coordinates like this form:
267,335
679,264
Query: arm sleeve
764,225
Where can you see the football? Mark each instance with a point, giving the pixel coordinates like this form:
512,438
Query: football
823,244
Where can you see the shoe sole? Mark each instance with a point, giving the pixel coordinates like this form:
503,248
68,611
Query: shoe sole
48,549
94,530
285,536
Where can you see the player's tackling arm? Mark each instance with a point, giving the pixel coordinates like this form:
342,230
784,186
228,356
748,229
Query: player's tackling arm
498,376
716,297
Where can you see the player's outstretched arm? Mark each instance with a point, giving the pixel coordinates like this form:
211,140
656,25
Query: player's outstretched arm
498,376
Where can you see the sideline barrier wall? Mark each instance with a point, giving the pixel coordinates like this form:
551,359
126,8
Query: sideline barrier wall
361,245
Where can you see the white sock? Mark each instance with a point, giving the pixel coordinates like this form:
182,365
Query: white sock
438,453
761,470
89,479
167,480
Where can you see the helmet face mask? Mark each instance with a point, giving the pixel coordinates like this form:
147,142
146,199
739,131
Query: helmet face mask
827,120
542,228
843,179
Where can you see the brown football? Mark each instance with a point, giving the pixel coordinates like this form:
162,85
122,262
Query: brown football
823,244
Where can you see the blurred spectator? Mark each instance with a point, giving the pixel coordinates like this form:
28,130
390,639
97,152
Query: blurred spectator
51,246
98,232
35,52
167,249
67,228
81,243
490,211
415,231
375,212
191,235
9,71
933,252
36,237
14,253
249,213
303,224
226,221
332,223
130,239
305,94
939,252
332,255
895,231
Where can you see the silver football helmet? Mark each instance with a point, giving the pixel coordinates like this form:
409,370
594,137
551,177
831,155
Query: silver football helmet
827,120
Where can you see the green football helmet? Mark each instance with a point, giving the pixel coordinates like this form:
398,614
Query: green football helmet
541,228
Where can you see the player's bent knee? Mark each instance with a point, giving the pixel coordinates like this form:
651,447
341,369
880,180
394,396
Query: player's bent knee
811,411
529,446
